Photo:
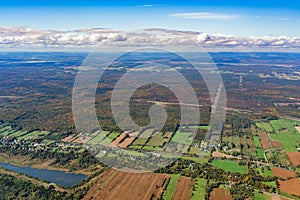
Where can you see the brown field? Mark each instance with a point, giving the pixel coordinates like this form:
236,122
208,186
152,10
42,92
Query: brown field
128,140
67,139
220,193
283,173
290,186
218,154
276,144
118,185
118,140
294,158
278,198
183,189
264,140
82,139
297,128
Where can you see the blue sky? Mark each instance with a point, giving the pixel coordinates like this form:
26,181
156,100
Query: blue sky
236,17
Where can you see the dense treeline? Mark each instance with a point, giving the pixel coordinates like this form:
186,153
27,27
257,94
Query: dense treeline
14,188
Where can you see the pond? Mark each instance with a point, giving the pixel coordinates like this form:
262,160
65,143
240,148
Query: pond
53,176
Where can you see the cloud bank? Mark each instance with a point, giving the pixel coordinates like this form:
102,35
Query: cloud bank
23,37
205,15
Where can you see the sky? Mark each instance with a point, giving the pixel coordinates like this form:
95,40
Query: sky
235,17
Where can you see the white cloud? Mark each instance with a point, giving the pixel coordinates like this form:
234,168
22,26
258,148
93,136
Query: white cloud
22,37
205,15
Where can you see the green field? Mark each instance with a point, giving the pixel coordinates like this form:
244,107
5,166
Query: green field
143,137
199,189
112,136
271,184
265,126
256,142
230,166
168,193
287,134
157,140
265,172
260,153
18,133
259,150
273,136
200,127
194,150
99,137
34,135
261,196
185,138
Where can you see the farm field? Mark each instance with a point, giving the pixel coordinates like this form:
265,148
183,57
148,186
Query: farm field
183,189
278,157
244,143
17,134
259,151
288,136
171,187
131,137
261,196
185,138
194,151
270,184
294,158
276,144
283,173
199,189
158,139
265,172
143,137
229,166
119,185
220,193
264,140
34,135
265,126
98,137
290,186
257,142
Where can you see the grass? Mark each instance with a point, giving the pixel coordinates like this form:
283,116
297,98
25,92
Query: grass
185,138
265,126
199,189
273,136
143,137
140,141
5,128
194,150
271,184
34,134
256,142
157,140
260,196
230,166
150,148
260,153
168,193
267,172
203,160
112,136
98,138
287,134
18,133
200,127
